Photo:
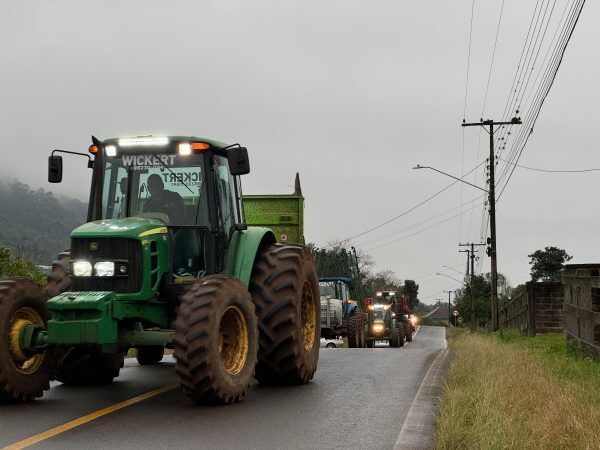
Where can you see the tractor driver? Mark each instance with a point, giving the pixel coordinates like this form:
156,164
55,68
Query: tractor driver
164,201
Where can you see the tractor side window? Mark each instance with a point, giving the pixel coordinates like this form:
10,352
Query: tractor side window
226,189
114,192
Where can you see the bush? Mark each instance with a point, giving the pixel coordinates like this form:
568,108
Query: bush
13,267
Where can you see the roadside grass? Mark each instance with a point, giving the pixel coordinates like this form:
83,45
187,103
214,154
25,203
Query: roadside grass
509,391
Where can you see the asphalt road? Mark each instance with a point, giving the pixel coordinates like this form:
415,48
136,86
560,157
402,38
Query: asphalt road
358,399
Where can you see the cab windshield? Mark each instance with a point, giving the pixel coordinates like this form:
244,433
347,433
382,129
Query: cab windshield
169,187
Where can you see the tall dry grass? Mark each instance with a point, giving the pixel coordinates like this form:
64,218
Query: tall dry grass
503,396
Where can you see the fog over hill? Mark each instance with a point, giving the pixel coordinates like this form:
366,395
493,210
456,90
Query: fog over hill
35,223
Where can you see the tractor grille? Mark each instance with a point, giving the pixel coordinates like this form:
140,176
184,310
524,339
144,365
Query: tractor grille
109,249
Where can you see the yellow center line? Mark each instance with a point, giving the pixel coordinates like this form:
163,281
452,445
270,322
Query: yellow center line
88,418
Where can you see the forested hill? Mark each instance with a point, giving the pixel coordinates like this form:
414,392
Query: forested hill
35,224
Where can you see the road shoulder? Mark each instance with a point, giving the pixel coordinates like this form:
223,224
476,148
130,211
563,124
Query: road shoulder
418,431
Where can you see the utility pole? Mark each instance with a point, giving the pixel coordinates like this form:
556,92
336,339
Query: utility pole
471,255
449,309
492,201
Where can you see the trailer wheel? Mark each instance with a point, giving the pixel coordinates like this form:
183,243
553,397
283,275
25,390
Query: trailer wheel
23,376
285,291
59,280
149,355
87,366
216,340
409,333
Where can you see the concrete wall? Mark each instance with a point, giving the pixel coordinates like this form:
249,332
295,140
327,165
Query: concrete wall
540,309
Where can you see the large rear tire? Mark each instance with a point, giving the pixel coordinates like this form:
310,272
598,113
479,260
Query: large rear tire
216,340
23,376
86,366
59,280
285,291
354,329
395,338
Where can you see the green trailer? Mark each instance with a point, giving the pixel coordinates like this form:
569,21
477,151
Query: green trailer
284,214
165,260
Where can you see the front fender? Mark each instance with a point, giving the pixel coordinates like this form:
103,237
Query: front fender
243,248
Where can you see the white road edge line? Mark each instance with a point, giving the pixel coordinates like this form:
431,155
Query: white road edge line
419,425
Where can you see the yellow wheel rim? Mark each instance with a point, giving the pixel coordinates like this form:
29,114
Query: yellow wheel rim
19,320
309,316
233,340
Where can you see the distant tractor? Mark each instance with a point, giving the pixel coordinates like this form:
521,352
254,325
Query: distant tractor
341,316
384,324
165,260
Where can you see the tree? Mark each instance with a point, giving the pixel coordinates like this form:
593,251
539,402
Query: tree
481,291
384,280
411,289
548,264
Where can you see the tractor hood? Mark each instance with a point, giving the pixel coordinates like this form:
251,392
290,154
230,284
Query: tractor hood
129,227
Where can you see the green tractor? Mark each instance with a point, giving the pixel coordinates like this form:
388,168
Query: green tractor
164,261
384,322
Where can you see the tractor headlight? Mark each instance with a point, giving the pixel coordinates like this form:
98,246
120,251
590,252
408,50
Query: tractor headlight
82,268
104,269
378,328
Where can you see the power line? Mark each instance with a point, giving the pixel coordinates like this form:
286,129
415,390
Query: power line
416,232
546,89
462,162
550,171
412,208
394,233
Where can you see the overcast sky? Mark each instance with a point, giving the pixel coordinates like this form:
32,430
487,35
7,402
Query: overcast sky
351,94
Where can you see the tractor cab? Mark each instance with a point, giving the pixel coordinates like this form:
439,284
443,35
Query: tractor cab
182,193
335,300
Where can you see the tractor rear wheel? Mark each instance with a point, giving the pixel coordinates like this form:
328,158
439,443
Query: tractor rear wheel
149,355
396,337
409,333
216,340
285,291
23,376
354,336
86,366
59,279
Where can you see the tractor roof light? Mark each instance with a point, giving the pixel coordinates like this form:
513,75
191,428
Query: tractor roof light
110,150
185,149
144,141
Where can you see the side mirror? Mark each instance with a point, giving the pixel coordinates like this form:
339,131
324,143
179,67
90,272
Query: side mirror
238,161
55,167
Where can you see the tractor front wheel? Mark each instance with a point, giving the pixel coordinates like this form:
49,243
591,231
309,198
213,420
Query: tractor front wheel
285,291
87,366
149,355
23,376
216,340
